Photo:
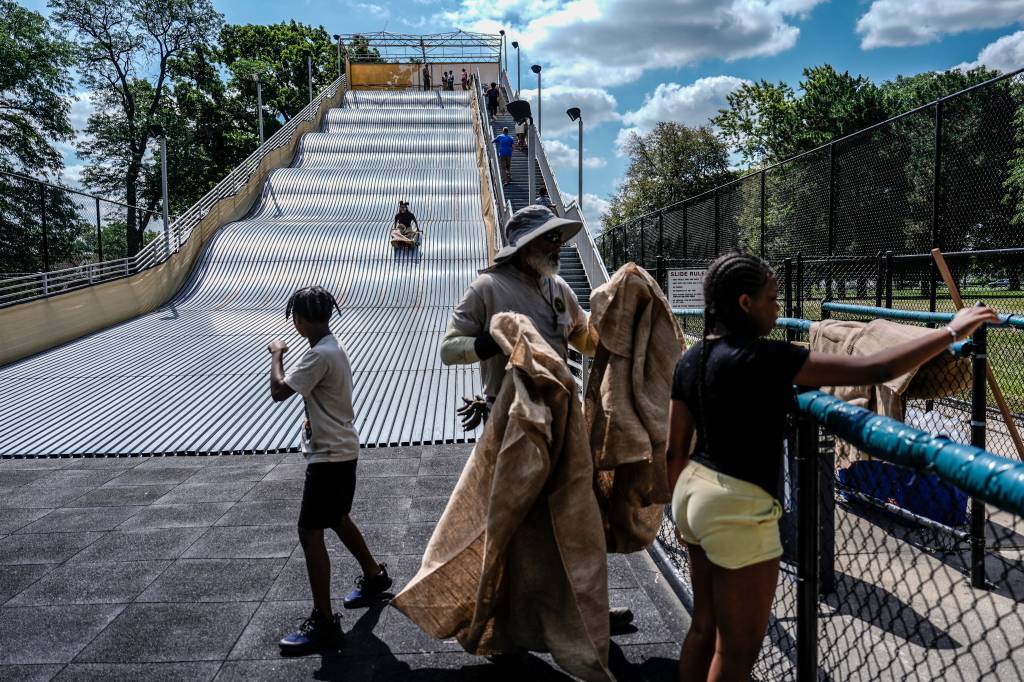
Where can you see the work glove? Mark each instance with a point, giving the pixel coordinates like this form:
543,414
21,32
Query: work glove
473,412
485,346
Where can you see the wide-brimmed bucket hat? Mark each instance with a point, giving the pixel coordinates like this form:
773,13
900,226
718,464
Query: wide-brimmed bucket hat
530,222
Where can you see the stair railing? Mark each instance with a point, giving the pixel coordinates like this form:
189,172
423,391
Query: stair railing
547,176
590,257
494,171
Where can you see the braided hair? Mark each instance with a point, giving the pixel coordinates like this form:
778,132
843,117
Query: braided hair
728,277
314,304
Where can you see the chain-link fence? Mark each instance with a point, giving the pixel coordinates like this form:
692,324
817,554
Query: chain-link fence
914,578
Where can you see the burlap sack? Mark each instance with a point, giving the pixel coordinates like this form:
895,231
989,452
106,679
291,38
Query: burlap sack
518,559
626,404
940,377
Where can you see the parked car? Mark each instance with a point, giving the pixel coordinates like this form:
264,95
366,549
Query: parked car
999,284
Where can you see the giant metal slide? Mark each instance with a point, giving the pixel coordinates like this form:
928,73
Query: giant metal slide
193,375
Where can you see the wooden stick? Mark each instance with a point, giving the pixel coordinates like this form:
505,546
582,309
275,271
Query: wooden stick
997,392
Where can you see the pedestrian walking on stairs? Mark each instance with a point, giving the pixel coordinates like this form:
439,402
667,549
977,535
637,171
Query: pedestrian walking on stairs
505,143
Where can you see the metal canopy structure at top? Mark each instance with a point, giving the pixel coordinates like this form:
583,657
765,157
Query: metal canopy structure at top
453,47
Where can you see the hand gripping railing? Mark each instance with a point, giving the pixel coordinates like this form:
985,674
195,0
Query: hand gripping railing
494,171
42,284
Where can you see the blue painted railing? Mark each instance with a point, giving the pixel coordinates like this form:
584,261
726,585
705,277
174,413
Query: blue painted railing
960,349
979,473
1016,321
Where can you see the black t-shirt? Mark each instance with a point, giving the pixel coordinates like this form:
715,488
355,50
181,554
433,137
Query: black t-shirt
748,390
405,218
492,96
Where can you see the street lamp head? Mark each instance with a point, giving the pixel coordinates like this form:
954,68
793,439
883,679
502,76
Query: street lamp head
156,130
535,68
515,44
337,37
574,113
502,31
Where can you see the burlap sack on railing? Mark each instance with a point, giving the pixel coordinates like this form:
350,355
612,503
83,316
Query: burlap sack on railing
626,404
518,559
940,377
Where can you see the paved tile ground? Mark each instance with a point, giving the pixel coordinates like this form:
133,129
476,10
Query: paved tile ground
187,568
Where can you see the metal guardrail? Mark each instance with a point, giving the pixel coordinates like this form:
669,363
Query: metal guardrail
593,264
42,284
494,172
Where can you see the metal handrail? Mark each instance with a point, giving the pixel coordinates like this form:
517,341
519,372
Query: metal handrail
492,160
546,174
43,284
593,264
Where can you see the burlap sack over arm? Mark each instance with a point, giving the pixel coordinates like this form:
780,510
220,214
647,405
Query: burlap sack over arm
627,403
518,559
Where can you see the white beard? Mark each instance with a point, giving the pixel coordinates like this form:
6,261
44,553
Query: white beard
544,265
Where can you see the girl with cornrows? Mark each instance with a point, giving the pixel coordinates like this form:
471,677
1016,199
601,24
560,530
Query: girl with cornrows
734,388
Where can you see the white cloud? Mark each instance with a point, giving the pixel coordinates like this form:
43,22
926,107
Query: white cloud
898,23
613,42
593,207
1005,54
561,155
598,107
371,9
692,105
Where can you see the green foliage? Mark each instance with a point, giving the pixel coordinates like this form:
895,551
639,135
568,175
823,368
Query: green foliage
34,105
121,41
669,163
276,54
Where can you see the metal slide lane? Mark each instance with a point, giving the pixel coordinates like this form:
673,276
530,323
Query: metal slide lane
193,375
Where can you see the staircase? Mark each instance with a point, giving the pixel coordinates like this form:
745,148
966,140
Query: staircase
571,268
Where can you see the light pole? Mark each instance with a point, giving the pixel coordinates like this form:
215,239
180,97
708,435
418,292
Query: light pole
576,115
338,38
157,130
259,106
504,49
309,73
540,119
519,71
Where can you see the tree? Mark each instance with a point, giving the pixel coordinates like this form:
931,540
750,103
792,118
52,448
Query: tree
670,163
126,52
277,55
35,94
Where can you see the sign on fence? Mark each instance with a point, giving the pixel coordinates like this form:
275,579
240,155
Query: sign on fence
686,288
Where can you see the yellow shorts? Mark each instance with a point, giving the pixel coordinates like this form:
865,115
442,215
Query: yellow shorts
736,523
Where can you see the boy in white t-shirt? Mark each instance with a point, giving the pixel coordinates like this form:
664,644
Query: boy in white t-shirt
330,442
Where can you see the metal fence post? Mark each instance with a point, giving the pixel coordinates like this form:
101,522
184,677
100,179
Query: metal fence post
879,275
686,236
798,297
625,246
42,222
661,250
762,213
979,407
933,274
787,270
807,550
888,279
99,233
643,255
717,226
831,219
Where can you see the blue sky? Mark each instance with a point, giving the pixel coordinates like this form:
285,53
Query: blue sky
629,63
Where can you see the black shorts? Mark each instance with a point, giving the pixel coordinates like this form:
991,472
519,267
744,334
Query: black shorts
327,494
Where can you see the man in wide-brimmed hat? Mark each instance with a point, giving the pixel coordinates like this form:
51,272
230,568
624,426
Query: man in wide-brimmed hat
523,279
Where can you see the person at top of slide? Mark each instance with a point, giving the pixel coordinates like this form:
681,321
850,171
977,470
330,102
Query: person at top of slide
734,389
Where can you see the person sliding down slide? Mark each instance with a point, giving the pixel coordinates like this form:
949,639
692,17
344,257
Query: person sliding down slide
403,234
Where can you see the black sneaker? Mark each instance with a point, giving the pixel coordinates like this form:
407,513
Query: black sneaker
368,588
315,634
